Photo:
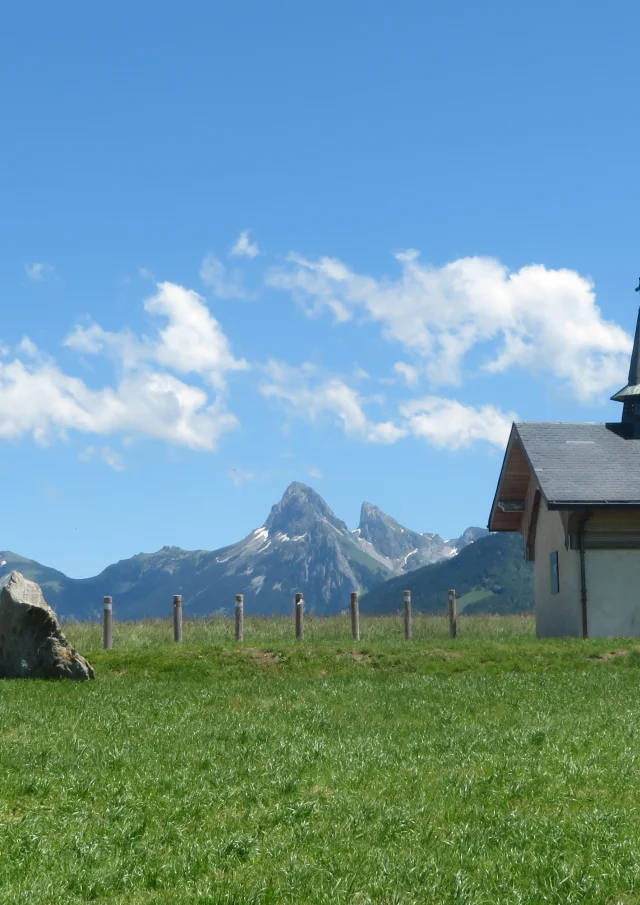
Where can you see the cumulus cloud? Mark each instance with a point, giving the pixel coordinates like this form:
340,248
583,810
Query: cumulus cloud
385,432
192,342
448,423
38,271
244,247
110,457
224,283
38,398
28,348
535,318
304,392
409,373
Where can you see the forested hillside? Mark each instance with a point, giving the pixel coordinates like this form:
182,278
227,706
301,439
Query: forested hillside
490,576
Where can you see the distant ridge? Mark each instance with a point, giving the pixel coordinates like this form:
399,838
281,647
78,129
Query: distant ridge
489,576
302,546
401,549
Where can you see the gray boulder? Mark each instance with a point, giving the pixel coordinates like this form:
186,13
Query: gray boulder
32,645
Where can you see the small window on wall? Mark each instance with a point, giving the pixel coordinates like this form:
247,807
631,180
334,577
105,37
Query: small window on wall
553,573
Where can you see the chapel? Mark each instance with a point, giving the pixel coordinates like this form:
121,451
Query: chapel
573,492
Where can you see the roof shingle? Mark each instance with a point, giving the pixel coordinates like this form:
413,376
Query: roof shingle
584,464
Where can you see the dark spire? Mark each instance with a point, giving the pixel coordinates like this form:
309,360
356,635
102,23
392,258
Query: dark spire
630,395
634,369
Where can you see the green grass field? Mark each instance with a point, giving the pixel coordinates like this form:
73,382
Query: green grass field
493,769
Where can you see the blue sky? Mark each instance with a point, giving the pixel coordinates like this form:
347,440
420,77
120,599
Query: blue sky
342,243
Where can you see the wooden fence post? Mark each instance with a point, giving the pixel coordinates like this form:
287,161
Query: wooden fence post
177,618
355,616
408,626
299,617
239,617
107,623
453,616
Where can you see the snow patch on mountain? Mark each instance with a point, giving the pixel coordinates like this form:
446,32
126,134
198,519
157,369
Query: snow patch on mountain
401,549
302,546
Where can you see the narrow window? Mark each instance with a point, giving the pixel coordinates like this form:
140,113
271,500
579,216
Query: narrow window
553,573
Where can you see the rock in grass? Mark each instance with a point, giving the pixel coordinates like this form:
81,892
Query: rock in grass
32,645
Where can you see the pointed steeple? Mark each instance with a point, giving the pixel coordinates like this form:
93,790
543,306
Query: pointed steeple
630,395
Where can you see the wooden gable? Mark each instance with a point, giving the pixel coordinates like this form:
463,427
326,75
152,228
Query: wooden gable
517,500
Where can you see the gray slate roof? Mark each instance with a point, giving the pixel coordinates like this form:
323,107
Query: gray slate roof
583,464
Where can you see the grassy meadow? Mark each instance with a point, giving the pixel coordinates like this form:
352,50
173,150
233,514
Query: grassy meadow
491,769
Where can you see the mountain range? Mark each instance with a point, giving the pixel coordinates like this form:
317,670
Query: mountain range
400,549
302,546
489,576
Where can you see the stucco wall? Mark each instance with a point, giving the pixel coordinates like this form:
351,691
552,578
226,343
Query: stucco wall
613,593
557,615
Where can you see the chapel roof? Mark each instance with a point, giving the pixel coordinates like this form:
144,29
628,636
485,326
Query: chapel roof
585,463
573,465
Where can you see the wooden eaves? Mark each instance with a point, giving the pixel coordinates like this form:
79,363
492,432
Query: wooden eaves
517,499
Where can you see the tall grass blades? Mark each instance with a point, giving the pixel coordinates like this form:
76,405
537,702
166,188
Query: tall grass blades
490,769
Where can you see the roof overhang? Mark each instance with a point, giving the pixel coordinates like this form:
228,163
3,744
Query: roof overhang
510,500
628,392
593,504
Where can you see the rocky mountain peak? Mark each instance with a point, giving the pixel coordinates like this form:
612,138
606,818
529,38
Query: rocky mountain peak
386,535
369,511
302,546
299,510
403,549
469,537
371,515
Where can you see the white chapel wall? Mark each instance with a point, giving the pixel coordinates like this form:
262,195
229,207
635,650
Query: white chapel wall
613,593
557,615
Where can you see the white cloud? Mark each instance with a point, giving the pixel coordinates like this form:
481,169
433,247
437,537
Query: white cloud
145,274
304,392
314,472
239,477
192,342
43,401
448,423
410,374
539,319
38,271
109,456
28,348
39,399
244,247
224,284
387,432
